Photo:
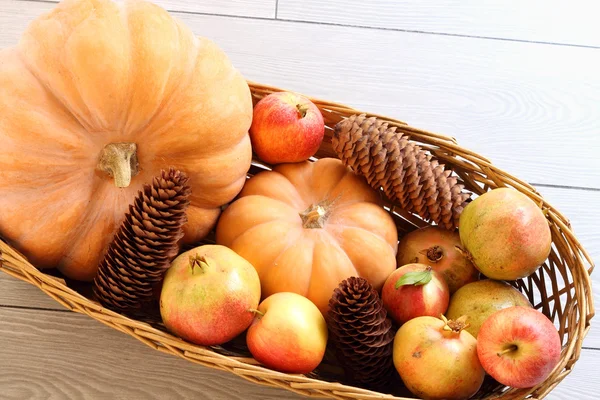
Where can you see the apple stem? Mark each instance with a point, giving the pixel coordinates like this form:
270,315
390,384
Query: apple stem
302,110
255,311
508,350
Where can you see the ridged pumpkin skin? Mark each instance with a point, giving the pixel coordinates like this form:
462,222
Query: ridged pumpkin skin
355,237
94,72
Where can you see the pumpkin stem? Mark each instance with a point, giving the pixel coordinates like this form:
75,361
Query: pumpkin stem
119,160
314,216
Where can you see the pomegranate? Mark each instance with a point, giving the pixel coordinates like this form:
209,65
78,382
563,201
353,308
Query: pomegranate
437,359
478,300
208,295
505,234
437,247
414,290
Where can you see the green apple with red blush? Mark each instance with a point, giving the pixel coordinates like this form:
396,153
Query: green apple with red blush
208,295
286,128
289,334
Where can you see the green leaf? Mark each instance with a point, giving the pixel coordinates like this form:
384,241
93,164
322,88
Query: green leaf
416,278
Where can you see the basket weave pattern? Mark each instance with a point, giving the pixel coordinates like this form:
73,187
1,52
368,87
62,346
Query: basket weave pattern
561,288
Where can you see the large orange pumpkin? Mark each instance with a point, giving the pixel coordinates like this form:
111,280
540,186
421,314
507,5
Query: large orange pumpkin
307,226
96,98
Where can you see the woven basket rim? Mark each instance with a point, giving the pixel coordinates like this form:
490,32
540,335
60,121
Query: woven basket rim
15,264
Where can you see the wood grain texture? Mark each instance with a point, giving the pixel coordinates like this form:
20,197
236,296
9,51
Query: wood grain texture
580,207
240,8
244,8
65,355
582,382
17,293
521,105
530,108
69,356
554,21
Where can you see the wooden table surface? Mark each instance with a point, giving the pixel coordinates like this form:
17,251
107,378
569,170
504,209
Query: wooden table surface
516,82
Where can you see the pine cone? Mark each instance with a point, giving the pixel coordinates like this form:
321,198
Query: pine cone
145,244
405,172
361,333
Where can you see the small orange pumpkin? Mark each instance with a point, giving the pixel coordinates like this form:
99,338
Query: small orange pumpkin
96,98
307,226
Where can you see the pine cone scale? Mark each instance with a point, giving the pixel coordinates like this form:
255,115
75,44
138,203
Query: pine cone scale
361,332
145,244
405,172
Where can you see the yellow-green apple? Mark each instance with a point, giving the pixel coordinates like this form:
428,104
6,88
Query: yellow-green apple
415,290
289,334
209,294
286,127
478,300
518,346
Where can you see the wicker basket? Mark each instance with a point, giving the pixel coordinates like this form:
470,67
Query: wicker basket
561,288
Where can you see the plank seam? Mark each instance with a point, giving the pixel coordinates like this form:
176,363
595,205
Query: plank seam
361,27
549,185
442,34
15,307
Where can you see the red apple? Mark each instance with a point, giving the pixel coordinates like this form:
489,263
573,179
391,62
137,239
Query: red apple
518,346
286,127
289,334
209,294
415,290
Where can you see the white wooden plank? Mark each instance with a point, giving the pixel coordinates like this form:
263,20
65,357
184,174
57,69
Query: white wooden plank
240,8
582,382
65,355
244,8
17,293
15,16
580,207
530,108
555,21
71,356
